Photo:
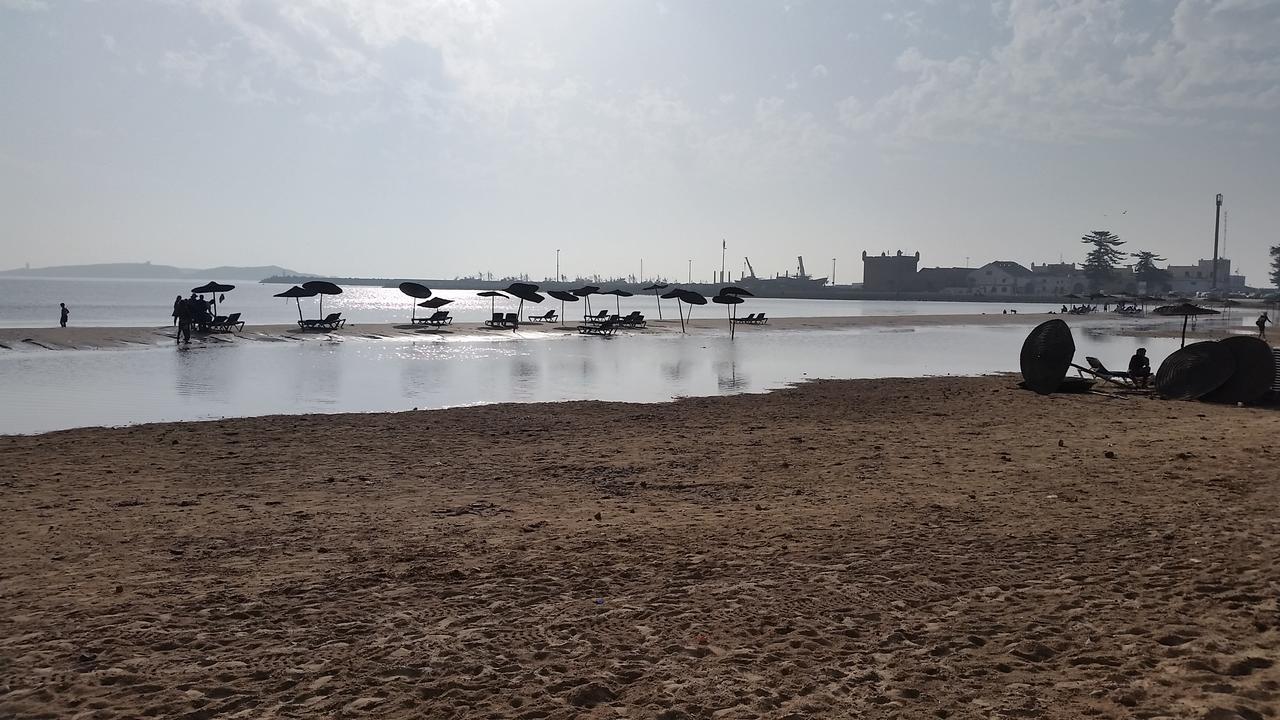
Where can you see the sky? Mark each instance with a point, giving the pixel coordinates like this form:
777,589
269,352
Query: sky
440,139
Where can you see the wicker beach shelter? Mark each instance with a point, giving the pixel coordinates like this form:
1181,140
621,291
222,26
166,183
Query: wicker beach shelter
1195,370
1254,373
524,291
585,292
618,294
1046,356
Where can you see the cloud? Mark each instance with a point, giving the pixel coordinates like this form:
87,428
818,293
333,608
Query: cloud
1071,71
819,71
24,5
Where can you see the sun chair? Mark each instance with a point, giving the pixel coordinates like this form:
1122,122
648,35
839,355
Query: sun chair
598,317
331,322
496,321
746,320
439,318
228,323
634,320
511,320
1098,370
547,317
608,327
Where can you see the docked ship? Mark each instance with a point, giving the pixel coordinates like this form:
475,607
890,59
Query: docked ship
787,283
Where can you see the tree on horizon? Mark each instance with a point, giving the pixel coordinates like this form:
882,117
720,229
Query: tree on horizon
1275,265
1100,264
1145,270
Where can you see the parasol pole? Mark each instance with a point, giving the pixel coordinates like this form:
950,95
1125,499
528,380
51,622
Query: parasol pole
658,299
299,302
1184,330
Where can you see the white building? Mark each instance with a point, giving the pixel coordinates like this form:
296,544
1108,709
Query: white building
1002,277
1191,279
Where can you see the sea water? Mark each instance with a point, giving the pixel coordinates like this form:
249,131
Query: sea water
50,390
33,302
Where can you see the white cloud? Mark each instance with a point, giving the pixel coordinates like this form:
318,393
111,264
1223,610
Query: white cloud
819,71
1088,69
24,5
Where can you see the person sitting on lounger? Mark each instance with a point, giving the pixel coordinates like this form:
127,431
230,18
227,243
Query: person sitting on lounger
1140,368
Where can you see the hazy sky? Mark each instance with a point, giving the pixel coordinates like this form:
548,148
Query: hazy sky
433,139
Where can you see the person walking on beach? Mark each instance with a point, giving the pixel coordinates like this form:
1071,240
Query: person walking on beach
177,302
184,309
62,320
1261,322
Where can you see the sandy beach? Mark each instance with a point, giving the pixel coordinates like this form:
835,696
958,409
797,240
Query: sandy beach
92,338
945,548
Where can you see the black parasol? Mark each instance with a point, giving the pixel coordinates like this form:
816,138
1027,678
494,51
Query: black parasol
729,302
435,303
585,292
296,292
1195,371
524,291
731,290
416,291
1255,371
618,294
213,288
1186,310
322,288
491,294
655,288
563,296
691,298
1046,356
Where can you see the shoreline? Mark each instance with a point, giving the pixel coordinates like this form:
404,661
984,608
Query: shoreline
100,338
941,547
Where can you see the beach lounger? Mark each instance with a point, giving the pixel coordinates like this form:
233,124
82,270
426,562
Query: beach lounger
1098,370
748,320
511,320
332,322
634,320
608,327
547,317
497,321
439,318
598,317
760,320
228,323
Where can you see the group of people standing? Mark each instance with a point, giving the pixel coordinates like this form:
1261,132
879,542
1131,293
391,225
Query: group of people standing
194,310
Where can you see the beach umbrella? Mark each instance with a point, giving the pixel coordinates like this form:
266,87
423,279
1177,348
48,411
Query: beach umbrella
731,290
655,288
585,292
435,303
1072,296
491,294
1194,371
416,291
730,302
563,296
1254,373
213,288
1186,310
524,291
618,294
296,292
322,288
674,294
689,297
1046,356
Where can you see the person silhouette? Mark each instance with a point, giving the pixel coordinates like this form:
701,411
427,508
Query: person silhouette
1261,322
62,319
177,302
